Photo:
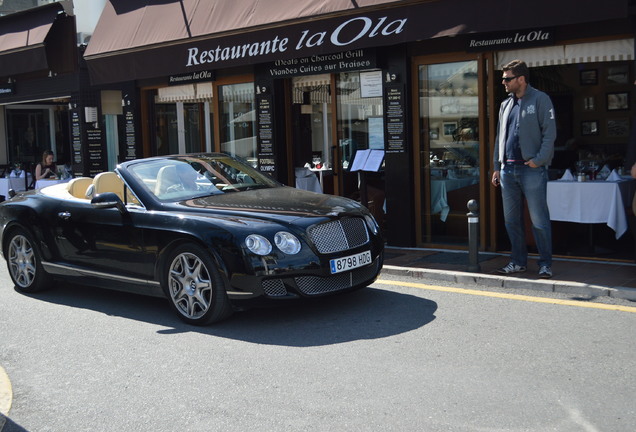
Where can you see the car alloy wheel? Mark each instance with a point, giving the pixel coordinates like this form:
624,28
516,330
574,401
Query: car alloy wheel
190,285
195,288
24,263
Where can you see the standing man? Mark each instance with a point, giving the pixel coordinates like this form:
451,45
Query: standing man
523,151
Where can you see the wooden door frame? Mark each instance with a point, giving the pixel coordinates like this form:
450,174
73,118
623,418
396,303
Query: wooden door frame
487,127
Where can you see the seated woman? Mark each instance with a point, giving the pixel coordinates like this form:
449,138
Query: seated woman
46,169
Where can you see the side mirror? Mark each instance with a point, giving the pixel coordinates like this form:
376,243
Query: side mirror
108,200
11,193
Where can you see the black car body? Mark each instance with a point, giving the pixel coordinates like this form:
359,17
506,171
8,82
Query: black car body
207,231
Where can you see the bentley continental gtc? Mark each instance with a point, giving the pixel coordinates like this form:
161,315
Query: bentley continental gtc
207,231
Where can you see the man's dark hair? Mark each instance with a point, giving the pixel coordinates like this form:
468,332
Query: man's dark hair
518,68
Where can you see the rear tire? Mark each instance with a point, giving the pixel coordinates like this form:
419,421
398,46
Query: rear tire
24,262
194,286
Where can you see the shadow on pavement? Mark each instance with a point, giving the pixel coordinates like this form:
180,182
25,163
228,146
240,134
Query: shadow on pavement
369,313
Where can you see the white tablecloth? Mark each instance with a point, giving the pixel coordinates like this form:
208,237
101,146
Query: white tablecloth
439,193
307,180
591,202
15,183
42,183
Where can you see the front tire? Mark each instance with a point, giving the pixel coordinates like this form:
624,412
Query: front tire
194,286
24,263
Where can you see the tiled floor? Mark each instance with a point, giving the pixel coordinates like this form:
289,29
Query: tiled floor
589,271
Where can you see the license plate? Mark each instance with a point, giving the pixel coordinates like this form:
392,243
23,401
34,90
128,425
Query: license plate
350,262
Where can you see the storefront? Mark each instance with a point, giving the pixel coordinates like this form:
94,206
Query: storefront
44,92
307,91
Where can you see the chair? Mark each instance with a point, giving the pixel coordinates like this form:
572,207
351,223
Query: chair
108,182
307,180
78,186
166,177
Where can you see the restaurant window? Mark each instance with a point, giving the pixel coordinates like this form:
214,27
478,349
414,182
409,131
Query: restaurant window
237,118
29,133
360,127
166,129
183,119
312,130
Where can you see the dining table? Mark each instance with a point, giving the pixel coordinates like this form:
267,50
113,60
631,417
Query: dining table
439,192
592,202
42,183
16,183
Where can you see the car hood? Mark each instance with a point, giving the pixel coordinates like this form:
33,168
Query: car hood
282,203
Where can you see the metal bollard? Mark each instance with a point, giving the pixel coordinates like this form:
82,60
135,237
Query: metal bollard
473,236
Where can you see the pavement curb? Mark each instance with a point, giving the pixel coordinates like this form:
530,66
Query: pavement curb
510,282
6,397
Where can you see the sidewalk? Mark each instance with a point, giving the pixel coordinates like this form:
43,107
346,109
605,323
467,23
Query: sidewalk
586,277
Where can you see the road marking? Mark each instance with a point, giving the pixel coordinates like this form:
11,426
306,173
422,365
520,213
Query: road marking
6,396
518,297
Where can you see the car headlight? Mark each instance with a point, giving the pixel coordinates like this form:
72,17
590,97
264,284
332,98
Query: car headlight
373,225
287,242
258,244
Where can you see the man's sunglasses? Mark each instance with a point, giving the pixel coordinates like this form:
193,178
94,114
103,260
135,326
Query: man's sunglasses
508,79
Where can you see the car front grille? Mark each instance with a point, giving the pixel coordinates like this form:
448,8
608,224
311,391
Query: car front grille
340,235
274,287
313,285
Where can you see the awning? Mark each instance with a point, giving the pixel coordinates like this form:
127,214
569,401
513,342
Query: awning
137,39
613,50
198,92
23,39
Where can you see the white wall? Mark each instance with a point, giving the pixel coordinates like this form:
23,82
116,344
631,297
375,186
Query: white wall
87,14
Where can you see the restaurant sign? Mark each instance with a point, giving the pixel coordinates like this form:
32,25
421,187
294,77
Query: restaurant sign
296,42
510,40
192,77
7,89
326,63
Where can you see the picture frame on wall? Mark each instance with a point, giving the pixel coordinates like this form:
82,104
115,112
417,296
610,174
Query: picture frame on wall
618,127
589,103
589,77
618,101
449,128
618,74
434,133
589,127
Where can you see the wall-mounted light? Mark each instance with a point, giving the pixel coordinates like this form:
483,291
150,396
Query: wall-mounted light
391,77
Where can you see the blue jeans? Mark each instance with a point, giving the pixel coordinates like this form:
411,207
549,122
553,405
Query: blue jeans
518,181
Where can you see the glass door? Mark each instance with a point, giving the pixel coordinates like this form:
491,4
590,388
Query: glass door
449,139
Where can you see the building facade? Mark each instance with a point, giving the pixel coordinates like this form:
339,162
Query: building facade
392,103
46,102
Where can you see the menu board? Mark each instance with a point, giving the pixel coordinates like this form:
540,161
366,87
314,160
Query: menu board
76,137
95,151
265,133
129,134
395,121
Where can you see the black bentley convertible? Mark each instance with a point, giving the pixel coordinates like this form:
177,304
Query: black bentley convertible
207,231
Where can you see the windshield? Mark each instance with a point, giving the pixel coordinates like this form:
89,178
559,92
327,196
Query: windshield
183,177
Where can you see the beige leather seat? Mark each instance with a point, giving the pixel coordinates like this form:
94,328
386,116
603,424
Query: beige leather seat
77,186
108,182
166,177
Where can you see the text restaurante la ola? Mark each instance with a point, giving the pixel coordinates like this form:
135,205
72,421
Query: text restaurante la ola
369,29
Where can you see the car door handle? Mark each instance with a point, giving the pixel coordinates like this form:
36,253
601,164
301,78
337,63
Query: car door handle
64,215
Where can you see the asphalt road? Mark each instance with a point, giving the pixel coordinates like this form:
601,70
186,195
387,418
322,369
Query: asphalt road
387,358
